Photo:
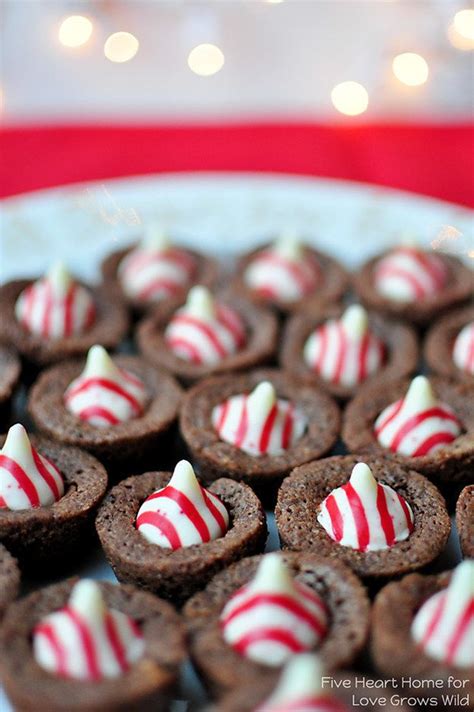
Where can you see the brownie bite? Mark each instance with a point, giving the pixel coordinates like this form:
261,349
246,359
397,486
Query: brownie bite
465,521
257,427
56,317
10,370
289,275
163,533
155,274
137,672
336,627
340,349
412,284
209,335
449,345
337,508
9,579
120,409
422,629
386,421
49,495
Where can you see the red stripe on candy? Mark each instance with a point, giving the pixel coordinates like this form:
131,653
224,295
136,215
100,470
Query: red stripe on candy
160,284
386,520
24,482
206,330
427,445
281,601
267,429
87,641
108,386
417,288
46,475
296,271
360,517
416,420
323,344
286,638
389,417
243,424
287,428
68,310
223,411
46,320
435,620
459,631
95,411
336,517
230,322
178,344
159,521
48,632
362,358
214,510
115,642
406,512
341,352
188,508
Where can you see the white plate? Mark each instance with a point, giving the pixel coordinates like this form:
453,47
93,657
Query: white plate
222,214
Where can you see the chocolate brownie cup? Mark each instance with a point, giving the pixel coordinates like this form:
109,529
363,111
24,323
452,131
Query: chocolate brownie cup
108,328
9,579
203,270
344,598
314,427
424,306
390,345
147,684
122,445
255,346
299,505
176,573
402,645
330,283
465,521
10,370
443,353
44,537
452,463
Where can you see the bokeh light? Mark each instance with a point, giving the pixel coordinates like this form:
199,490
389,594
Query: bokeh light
75,31
464,23
410,69
206,59
121,47
350,98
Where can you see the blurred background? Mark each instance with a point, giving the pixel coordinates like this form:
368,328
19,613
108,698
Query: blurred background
378,90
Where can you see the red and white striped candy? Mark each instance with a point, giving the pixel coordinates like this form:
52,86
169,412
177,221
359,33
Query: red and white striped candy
344,351
300,689
417,424
259,423
55,307
463,350
155,270
27,479
105,395
273,616
444,625
365,514
408,274
283,271
204,332
183,513
85,640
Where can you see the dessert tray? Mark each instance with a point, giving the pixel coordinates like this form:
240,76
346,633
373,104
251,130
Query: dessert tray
222,215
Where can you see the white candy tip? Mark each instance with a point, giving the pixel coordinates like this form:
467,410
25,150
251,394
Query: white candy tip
184,478
17,439
98,361
462,579
420,393
362,477
86,597
200,302
288,245
301,676
58,276
355,320
155,237
272,574
262,398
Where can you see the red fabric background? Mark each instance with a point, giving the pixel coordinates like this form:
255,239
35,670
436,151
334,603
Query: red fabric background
437,160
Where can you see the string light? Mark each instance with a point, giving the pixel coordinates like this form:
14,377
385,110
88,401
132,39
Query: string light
461,30
464,23
410,69
75,31
121,46
206,59
350,98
